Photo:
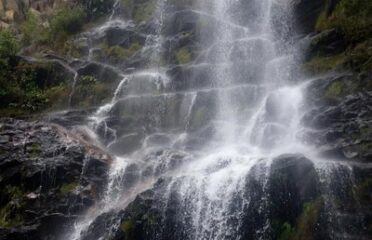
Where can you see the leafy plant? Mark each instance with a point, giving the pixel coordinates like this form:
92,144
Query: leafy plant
65,22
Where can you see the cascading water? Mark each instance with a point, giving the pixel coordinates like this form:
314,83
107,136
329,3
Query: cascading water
209,142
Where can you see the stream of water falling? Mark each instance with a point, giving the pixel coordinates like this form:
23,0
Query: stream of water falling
254,119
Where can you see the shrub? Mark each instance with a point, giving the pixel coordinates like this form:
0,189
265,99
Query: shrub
32,29
8,46
65,22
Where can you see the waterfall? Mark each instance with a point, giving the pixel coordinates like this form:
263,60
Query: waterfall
205,142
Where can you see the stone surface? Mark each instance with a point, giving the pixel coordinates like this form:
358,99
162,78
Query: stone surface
48,176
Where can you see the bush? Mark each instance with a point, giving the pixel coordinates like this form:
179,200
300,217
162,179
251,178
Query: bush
32,29
8,46
65,22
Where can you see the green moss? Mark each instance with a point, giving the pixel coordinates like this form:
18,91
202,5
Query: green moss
127,227
90,91
308,220
183,55
318,65
11,212
305,224
360,57
35,150
116,53
143,11
58,96
287,232
9,216
353,17
335,89
68,187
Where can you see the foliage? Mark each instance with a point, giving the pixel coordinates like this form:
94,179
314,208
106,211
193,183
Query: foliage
304,226
117,53
11,212
33,30
65,22
8,46
335,89
127,227
308,219
353,17
89,91
19,89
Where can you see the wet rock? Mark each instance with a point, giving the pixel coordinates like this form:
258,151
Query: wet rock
100,72
292,182
101,225
48,177
307,12
326,43
341,118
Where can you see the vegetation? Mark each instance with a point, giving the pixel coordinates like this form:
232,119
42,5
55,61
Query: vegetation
335,89
183,55
65,22
11,212
127,227
68,187
305,225
352,16
32,30
20,90
353,21
89,91
117,53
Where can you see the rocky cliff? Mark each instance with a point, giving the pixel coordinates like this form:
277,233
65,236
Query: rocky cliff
52,170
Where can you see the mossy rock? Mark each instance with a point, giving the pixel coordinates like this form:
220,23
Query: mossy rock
143,10
335,89
11,213
117,54
352,17
90,91
183,55
307,222
127,227
68,187
305,226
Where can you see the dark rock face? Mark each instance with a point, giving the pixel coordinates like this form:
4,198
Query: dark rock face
326,43
292,182
306,12
341,117
48,177
292,187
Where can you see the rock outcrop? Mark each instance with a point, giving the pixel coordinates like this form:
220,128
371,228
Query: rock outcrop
49,176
